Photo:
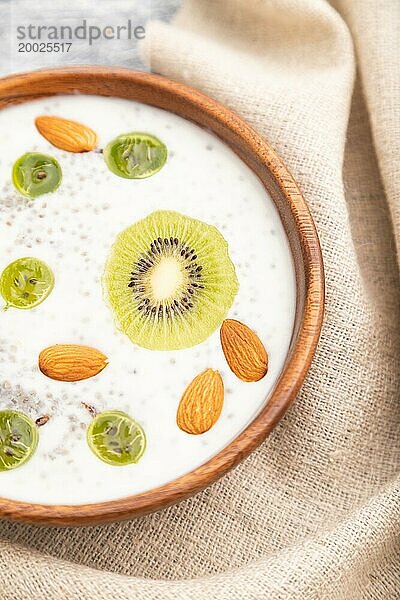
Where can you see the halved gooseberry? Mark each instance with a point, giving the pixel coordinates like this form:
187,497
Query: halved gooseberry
116,438
18,439
135,155
35,174
26,282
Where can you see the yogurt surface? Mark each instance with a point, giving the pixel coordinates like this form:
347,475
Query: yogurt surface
72,230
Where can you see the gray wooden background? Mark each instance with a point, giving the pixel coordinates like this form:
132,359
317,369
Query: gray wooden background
16,13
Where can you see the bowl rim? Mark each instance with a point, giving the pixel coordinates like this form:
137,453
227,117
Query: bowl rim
149,88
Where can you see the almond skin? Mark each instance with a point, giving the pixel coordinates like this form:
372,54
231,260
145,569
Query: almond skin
244,351
201,403
71,362
67,135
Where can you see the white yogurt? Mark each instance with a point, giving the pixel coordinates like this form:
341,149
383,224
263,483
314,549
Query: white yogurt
72,230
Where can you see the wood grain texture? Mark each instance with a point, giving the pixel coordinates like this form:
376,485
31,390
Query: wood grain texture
262,159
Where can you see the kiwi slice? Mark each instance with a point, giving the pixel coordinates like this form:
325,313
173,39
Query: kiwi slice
170,281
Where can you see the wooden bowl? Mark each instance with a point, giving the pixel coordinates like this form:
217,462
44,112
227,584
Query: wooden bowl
305,248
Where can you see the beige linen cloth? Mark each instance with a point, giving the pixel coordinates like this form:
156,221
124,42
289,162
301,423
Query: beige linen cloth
315,511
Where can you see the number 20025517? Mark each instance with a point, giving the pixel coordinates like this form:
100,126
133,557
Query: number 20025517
44,46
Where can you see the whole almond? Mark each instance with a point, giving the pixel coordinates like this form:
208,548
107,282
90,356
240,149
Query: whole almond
244,351
67,135
201,403
71,362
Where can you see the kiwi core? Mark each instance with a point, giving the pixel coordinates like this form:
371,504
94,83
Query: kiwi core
166,279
